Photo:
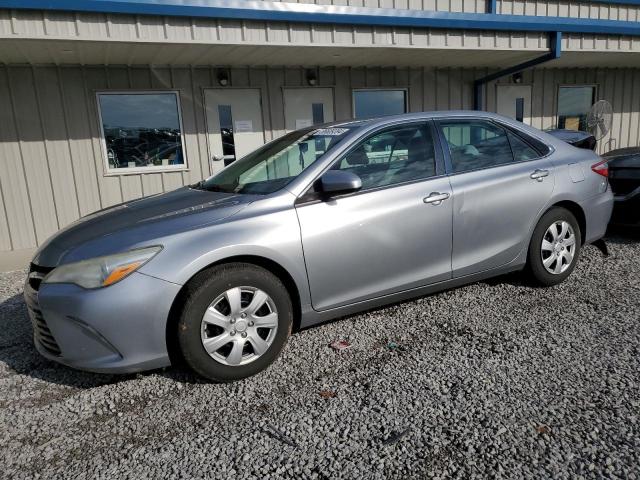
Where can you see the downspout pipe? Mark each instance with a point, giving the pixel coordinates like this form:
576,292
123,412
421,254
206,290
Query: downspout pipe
555,41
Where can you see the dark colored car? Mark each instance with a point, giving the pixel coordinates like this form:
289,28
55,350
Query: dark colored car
573,137
624,178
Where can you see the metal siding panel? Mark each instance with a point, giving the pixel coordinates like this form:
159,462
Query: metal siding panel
172,181
430,89
34,155
322,34
626,94
634,108
151,184
416,90
92,25
342,94
17,204
276,79
537,99
150,27
442,82
131,187
60,24
83,162
183,82
122,27
276,32
178,29
28,22
618,107
5,236
255,32
5,23
57,145
200,78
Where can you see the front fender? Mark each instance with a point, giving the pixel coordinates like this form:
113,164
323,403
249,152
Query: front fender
274,236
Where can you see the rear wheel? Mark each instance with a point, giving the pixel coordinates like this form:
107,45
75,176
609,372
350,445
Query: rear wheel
235,321
554,247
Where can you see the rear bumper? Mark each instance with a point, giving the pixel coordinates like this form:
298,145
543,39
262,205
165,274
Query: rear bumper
597,211
118,329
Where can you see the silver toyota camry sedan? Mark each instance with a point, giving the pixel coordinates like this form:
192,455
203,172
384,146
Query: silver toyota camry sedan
320,223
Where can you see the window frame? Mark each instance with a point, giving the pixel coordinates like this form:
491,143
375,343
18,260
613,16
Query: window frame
109,172
405,90
311,196
594,97
444,144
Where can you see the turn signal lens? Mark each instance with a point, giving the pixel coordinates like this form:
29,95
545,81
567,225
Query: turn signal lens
601,168
120,272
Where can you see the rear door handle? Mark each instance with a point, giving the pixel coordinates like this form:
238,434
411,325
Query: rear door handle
435,198
539,174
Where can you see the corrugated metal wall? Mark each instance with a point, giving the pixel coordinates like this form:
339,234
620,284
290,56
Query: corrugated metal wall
52,165
557,8
20,25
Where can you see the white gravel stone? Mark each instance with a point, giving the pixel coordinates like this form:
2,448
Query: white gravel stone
495,379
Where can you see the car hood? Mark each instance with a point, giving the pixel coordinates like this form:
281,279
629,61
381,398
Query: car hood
138,223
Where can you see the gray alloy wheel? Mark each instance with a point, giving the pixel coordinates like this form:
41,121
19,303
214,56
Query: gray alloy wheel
239,326
558,247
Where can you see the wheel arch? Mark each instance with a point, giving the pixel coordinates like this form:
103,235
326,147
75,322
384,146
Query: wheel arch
268,264
577,212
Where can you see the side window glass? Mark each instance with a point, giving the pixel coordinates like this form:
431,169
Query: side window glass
398,155
522,151
476,144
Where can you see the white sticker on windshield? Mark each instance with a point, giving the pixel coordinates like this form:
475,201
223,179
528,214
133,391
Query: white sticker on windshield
330,132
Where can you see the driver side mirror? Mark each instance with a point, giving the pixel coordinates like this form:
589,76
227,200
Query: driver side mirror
337,182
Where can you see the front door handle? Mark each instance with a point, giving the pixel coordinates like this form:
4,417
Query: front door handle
539,174
435,198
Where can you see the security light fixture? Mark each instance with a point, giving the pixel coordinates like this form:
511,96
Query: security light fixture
312,77
223,78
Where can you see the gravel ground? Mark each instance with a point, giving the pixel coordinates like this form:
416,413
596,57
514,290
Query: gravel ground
495,379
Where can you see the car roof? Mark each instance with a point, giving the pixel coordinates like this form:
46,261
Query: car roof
366,122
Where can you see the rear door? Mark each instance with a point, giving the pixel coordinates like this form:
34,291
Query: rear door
500,184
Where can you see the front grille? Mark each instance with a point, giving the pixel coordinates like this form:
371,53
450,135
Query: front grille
36,274
42,333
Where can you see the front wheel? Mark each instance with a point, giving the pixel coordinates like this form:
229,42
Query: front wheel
235,321
554,248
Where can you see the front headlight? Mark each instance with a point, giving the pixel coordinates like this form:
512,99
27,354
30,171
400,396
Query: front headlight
102,271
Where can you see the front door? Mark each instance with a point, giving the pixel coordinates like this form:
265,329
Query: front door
234,123
392,235
500,184
304,107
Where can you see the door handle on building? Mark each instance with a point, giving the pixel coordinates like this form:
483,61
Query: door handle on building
539,174
435,198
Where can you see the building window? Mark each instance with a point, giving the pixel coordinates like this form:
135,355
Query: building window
378,103
141,131
574,103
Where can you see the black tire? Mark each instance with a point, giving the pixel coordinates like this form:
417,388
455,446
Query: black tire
537,271
203,290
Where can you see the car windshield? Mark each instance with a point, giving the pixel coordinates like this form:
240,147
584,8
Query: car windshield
277,163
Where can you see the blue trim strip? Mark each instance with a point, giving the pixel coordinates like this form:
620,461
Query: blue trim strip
555,43
293,12
492,6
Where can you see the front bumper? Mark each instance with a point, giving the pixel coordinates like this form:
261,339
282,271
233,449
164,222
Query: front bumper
117,329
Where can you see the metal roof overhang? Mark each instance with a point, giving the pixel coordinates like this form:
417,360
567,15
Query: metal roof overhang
60,51
295,12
